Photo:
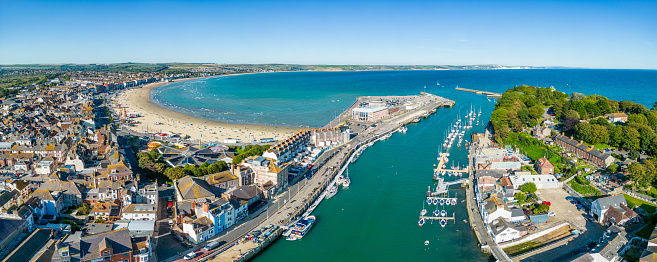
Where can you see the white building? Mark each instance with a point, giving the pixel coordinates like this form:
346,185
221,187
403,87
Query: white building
44,167
503,231
541,181
138,212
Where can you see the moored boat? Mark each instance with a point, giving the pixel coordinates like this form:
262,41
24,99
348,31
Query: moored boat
301,228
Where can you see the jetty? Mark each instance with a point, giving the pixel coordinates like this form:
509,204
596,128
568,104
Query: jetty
479,92
441,163
453,218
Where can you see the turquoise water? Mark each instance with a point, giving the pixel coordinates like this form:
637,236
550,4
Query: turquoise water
376,218
314,98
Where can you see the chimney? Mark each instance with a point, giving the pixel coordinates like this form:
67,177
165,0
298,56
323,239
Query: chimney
571,137
206,207
232,168
592,146
193,205
581,141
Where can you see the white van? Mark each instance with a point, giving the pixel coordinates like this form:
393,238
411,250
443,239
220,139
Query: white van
190,255
211,245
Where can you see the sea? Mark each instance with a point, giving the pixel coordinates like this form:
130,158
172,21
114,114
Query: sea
376,218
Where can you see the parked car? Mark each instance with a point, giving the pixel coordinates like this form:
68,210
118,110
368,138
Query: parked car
190,255
552,214
547,203
573,202
187,244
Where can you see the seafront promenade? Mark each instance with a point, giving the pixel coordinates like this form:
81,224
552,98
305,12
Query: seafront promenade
325,168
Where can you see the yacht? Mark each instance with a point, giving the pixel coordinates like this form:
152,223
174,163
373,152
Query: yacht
331,192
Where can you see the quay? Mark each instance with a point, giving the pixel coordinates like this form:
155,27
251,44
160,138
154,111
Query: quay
311,190
479,92
476,221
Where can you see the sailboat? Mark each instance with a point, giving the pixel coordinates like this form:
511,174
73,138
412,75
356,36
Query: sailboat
346,181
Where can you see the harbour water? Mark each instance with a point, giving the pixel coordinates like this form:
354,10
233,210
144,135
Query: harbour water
375,219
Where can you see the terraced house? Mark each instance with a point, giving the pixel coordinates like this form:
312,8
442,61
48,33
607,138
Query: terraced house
583,151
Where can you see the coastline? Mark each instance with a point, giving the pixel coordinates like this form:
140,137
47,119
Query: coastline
139,101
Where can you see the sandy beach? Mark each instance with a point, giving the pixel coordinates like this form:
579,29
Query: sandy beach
154,118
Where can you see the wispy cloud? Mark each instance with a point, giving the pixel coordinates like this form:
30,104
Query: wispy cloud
462,41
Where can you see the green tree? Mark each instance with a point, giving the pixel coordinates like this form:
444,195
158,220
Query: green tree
613,168
631,139
83,210
638,173
577,96
520,196
599,134
633,154
536,111
174,173
528,188
616,136
572,114
638,119
584,131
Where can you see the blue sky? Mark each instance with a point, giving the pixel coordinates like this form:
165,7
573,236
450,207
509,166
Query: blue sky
593,34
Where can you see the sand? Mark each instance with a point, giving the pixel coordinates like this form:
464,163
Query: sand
154,119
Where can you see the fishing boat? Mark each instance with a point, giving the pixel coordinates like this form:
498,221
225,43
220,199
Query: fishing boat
443,223
436,212
403,129
429,201
443,213
421,222
442,201
435,201
301,228
416,120
426,243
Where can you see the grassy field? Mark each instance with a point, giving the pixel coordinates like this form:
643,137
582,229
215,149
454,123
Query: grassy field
648,207
585,190
646,231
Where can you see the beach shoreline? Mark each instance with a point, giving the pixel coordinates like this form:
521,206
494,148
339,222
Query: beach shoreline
157,119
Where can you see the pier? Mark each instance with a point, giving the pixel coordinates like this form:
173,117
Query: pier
441,163
453,218
479,92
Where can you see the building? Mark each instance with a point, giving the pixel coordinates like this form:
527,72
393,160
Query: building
581,150
620,216
109,246
288,149
327,137
545,167
138,212
494,208
369,114
503,231
10,229
266,169
192,188
600,206
616,117
222,181
199,230
541,181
